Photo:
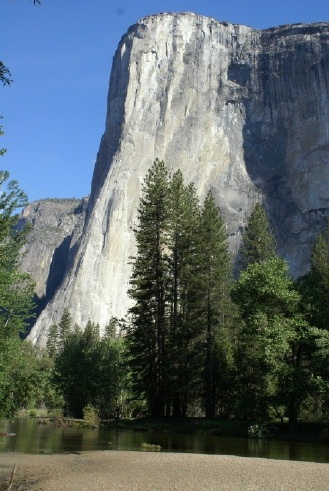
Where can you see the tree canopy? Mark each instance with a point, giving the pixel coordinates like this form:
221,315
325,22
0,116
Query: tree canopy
272,366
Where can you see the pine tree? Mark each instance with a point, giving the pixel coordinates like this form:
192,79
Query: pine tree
258,243
52,341
320,260
115,327
183,237
213,283
64,328
146,334
111,327
315,286
180,286
91,333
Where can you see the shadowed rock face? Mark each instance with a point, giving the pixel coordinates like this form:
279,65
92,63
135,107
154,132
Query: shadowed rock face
56,227
240,111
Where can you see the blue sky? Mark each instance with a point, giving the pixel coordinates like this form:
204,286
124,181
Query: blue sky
60,55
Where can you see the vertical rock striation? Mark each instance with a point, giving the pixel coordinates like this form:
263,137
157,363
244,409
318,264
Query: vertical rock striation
240,111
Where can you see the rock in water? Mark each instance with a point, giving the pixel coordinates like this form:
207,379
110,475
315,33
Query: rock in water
240,111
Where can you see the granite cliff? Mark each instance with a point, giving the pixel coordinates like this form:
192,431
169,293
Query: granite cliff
50,248
240,111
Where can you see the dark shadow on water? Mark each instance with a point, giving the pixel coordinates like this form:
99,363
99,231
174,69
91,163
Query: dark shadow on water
32,437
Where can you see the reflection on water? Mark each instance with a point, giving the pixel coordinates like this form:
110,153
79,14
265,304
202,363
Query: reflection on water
32,437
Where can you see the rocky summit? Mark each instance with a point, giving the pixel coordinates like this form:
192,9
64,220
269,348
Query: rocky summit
240,111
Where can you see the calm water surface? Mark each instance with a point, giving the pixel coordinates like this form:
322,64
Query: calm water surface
32,437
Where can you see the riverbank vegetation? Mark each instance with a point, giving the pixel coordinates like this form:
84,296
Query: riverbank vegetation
198,342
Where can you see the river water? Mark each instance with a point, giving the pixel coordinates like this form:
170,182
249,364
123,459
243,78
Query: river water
32,437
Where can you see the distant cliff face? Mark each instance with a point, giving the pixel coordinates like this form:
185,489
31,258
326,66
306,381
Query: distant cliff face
56,227
242,112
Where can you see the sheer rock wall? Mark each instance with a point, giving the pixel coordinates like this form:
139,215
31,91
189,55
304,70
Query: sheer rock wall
240,111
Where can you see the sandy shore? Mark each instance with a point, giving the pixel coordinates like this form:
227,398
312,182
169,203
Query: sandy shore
135,471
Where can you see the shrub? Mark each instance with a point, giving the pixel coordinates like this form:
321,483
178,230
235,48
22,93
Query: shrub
260,431
149,447
90,416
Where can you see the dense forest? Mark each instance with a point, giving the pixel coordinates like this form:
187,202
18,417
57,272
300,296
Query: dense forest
197,341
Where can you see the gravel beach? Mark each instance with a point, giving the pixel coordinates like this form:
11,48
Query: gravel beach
137,471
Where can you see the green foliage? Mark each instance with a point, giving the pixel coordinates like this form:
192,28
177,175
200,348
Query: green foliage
70,375
24,376
188,347
321,354
2,150
314,289
314,286
259,431
146,335
64,328
4,74
320,368
266,286
52,341
88,371
112,393
16,300
214,281
320,260
258,242
182,359
111,327
16,288
273,368
24,372
180,253
91,333
91,416
150,447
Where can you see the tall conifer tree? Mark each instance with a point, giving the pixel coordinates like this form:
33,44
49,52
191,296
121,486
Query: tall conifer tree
146,335
213,285
52,341
183,237
258,243
315,286
64,328
180,288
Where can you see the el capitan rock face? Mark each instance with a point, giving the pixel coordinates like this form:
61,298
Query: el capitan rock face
240,111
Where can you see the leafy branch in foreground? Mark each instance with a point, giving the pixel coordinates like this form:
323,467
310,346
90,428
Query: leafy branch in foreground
4,74
16,287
